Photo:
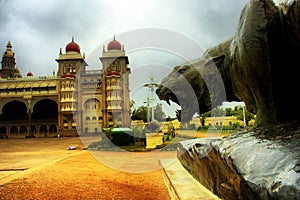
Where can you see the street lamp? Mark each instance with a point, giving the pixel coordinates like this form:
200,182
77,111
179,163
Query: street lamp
244,115
151,86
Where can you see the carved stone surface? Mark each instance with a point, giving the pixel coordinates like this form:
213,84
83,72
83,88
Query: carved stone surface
263,163
258,65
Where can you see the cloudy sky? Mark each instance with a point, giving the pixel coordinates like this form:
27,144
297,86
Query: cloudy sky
37,29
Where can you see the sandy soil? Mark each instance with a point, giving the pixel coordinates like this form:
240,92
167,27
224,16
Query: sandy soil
44,168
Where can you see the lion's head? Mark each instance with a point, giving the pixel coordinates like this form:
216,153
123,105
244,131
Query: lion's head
196,87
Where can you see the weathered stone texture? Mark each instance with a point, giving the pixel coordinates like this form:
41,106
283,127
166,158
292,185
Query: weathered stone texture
256,164
258,66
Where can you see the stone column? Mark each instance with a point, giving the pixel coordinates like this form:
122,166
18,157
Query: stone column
29,112
29,122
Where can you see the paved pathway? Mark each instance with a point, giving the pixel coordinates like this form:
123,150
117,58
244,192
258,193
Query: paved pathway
44,168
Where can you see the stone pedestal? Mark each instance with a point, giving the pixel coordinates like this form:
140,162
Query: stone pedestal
153,140
258,164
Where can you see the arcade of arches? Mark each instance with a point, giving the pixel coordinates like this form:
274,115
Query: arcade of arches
17,116
73,101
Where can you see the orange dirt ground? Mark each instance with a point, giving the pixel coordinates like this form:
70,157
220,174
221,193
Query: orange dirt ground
53,172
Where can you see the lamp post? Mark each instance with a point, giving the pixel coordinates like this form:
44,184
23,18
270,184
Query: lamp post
244,115
148,109
151,86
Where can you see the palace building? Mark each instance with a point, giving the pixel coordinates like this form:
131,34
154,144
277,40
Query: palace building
74,101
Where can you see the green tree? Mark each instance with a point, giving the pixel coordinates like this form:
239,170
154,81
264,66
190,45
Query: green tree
139,114
228,111
169,118
238,112
131,104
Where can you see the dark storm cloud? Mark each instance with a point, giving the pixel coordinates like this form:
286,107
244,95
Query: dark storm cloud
4,18
210,22
37,29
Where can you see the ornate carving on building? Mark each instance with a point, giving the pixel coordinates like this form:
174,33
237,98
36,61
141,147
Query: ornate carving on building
8,64
73,101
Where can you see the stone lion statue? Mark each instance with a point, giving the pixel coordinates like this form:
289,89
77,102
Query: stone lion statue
258,66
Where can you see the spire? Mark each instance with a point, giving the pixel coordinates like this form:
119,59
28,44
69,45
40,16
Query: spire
9,51
114,44
73,38
8,66
9,45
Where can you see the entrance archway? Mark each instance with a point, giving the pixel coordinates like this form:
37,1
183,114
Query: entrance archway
45,113
91,116
14,111
23,130
13,130
45,109
52,129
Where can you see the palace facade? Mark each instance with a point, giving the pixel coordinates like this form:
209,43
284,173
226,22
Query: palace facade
74,101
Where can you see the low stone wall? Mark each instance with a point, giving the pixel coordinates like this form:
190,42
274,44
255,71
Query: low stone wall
153,140
258,164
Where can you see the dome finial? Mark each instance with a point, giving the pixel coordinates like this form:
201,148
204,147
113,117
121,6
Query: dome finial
29,73
114,44
73,46
8,44
9,51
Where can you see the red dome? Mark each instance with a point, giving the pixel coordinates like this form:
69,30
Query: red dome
29,74
73,46
114,45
